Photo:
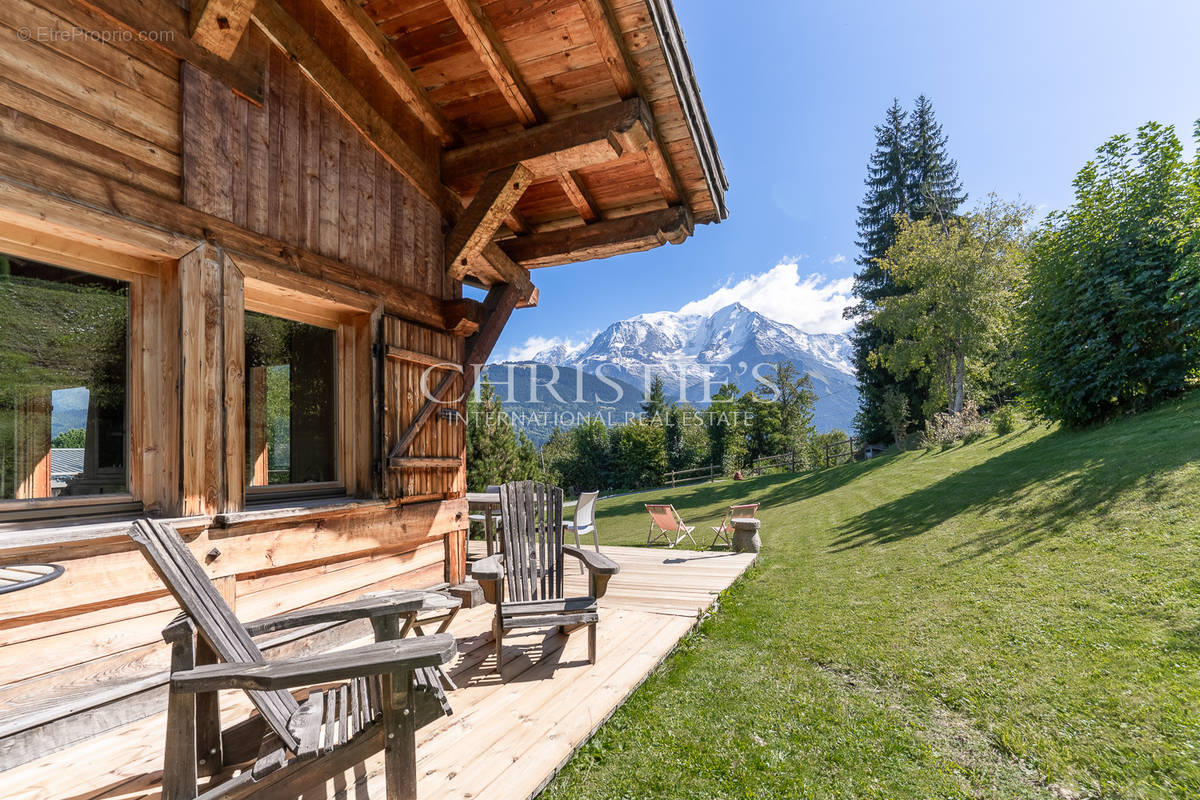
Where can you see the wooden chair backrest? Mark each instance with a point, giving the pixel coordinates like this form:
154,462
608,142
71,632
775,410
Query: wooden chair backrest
666,517
585,511
533,540
745,510
191,587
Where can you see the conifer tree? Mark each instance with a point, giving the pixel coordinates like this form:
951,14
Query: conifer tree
909,174
934,189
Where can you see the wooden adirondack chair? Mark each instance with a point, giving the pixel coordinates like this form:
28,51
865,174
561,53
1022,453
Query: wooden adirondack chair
526,580
387,687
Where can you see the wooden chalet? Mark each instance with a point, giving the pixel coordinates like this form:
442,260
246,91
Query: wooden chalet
233,244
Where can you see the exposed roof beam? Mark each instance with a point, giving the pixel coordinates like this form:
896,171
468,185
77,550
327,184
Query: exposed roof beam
484,40
601,239
607,34
383,56
218,25
497,197
593,137
511,273
291,37
578,195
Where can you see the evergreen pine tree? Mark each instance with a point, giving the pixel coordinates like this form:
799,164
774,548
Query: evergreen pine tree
934,189
909,173
656,406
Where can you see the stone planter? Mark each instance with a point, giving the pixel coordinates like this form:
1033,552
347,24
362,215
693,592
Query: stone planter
745,535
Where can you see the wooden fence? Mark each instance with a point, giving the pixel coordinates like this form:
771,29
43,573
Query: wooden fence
694,475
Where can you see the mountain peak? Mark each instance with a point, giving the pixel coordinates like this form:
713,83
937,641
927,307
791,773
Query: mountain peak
694,351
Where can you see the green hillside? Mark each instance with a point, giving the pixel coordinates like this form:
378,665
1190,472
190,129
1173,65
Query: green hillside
1018,617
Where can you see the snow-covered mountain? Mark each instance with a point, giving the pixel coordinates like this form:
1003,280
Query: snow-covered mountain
695,354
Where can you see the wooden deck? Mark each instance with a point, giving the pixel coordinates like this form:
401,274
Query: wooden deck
506,740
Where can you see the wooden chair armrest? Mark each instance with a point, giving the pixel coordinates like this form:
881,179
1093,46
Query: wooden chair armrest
363,608
489,572
597,563
488,569
374,659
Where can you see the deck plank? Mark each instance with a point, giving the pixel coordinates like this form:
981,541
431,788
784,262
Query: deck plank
506,739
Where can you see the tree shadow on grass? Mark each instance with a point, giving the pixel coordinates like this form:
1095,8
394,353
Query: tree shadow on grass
1036,490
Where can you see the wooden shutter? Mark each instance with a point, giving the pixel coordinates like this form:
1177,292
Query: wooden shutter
433,464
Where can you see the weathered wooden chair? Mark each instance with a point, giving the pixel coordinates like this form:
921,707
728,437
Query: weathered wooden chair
526,580
388,688
724,531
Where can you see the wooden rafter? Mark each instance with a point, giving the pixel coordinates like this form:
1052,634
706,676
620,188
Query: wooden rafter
499,305
601,239
484,40
291,37
607,35
497,197
606,31
218,25
578,196
512,273
383,56
593,137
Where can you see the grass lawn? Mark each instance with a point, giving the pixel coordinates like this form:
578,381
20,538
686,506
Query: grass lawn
1018,617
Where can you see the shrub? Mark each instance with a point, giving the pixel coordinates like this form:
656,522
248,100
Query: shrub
947,429
1005,420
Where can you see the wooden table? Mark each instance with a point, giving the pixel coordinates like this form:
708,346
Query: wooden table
487,503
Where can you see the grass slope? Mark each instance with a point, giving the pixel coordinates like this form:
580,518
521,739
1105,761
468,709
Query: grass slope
1018,617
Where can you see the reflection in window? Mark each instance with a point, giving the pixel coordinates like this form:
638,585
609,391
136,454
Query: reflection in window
63,352
291,378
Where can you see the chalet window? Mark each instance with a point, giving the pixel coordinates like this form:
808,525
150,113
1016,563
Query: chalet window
291,402
64,350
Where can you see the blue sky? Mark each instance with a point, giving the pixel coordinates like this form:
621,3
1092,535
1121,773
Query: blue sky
1025,90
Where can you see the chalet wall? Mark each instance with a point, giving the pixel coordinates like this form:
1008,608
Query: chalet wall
296,170
112,108
100,624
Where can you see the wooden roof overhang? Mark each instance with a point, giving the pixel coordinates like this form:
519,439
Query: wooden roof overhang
547,131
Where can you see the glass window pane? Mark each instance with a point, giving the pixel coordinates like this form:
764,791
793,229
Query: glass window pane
63,366
291,414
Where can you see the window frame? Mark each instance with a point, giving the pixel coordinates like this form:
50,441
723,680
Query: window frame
352,341
143,277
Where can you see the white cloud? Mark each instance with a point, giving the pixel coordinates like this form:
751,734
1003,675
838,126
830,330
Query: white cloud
540,344
813,303
838,259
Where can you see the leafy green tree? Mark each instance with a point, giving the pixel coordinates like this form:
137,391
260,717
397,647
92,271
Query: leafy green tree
592,462
639,454
693,444
961,278
1113,310
895,413
73,437
910,176
763,428
724,425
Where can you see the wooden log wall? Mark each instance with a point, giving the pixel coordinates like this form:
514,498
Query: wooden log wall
100,625
109,107
414,353
294,169
83,653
